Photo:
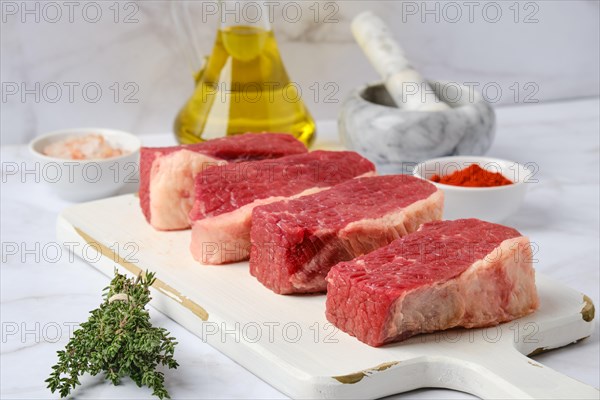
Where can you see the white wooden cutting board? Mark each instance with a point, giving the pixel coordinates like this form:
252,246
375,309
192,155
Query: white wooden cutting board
286,340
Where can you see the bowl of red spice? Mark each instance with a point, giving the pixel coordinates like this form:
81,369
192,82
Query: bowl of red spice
487,188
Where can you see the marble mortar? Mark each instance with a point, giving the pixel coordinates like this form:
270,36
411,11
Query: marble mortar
395,140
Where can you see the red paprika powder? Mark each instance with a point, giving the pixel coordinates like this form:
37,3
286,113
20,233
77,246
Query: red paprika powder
473,176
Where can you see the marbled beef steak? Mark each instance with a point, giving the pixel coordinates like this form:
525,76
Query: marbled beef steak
296,242
226,195
167,173
467,273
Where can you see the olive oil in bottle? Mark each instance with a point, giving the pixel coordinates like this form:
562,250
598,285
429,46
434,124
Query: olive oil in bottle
244,87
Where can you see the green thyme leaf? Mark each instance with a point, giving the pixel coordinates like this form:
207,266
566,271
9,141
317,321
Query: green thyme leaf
117,340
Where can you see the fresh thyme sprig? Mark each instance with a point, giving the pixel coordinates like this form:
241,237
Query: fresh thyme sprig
119,340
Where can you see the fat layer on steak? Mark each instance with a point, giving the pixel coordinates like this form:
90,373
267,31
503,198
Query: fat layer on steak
226,195
296,242
466,273
167,173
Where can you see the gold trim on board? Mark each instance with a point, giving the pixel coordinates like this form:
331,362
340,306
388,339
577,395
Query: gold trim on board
357,376
588,311
134,269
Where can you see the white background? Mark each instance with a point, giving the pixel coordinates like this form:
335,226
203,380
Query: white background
549,50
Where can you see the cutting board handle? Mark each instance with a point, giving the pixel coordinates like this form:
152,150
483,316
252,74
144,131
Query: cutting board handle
513,375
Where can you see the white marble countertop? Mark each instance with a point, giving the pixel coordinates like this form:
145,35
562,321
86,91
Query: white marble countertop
44,293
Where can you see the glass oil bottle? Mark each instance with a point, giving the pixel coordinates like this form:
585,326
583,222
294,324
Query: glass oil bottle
243,86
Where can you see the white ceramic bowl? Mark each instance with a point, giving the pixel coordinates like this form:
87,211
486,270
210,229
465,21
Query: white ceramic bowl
493,204
83,180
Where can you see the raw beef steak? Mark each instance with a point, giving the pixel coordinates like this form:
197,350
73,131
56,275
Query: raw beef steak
467,273
296,242
167,173
226,195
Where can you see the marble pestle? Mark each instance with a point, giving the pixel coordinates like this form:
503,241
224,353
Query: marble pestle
407,119
405,85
